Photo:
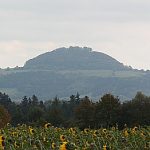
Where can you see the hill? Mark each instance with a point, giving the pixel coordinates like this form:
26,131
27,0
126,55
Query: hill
66,71
74,58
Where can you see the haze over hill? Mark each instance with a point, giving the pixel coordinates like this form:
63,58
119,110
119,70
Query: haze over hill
66,71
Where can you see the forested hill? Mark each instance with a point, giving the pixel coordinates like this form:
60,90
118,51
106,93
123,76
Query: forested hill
66,71
74,58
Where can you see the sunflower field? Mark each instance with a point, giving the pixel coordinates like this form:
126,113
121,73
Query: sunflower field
25,137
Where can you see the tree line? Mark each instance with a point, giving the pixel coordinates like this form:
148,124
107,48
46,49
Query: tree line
108,111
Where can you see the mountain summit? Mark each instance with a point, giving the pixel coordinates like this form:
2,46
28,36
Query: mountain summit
66,71
74,58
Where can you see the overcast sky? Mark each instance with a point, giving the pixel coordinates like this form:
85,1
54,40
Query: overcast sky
119,28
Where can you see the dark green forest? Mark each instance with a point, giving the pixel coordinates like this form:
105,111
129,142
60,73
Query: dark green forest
78,112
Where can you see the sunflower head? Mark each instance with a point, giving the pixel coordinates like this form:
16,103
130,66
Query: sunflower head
95,133
104,130
31,131
47,125
113,128
53,145
14,134
126,133
72,130
62,138
105,147
2,138
8,125
63,146
16,144
134,130
2,143
86,130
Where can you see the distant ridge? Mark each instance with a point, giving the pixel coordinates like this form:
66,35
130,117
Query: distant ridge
74,58
66,71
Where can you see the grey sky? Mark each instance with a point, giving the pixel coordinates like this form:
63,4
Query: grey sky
120,28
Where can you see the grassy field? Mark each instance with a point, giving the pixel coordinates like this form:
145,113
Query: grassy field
104,73
96,73
25,137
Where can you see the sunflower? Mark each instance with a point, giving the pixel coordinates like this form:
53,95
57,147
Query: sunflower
14,134
72,130
86,131
134,130
95,133
2,143
47,125
142,134
104,130
126,133
62,138
31,131
113,128
8,125
53,145
2,138
16,144
104,147
63,146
